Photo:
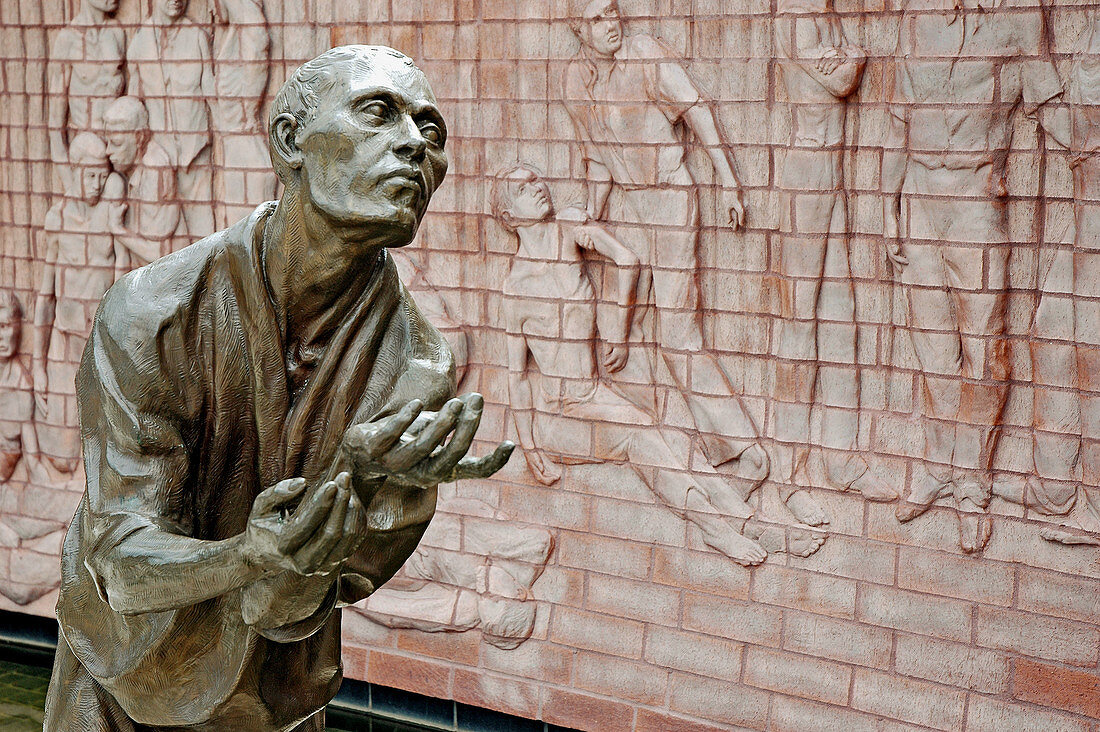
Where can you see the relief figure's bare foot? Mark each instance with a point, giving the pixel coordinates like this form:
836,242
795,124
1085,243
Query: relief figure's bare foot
806,509
789,539
718,534
975,526
907,510
925,489
872,487
1069,538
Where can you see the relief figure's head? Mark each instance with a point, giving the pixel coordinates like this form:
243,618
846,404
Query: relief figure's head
126,127
358,135
172,9
520,197
88,160
598,25
11,325
104,6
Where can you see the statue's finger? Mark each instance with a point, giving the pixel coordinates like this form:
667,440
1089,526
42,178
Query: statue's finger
377,437
444,461
278,495
314,552
408,454
308,518
352,533
483,467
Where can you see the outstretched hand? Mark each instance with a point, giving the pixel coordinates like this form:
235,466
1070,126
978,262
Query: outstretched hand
412,446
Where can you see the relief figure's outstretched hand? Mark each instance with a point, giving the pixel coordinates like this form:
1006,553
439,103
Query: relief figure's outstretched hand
412,446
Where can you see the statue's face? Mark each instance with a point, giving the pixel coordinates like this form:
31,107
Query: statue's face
173,8
531,201
9,334
93,178
122,148
106,6
374,151
603,28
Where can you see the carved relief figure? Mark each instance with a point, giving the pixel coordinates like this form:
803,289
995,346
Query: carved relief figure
816,404
550,317
80,264
86,73
626,95
258,447
17,436
240,82
487,585
169,62
22,582
146,220
1066,349
962,70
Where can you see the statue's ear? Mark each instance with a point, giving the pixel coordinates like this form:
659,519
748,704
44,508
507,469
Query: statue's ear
284,140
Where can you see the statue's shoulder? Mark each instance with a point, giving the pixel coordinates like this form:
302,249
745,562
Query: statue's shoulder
146,300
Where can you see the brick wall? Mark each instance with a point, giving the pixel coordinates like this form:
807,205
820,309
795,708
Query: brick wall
639,623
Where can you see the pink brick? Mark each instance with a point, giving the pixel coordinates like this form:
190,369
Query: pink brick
630,599
915,613
596,632
627,520
952,664
535,660
798,715
599,554
694,653
1038,636
700,572
968,578
993,715
839,640
853,558
800,676
804,591
626,680
650,721
582,711
719,701
490,691
747,622
1062,595
907,700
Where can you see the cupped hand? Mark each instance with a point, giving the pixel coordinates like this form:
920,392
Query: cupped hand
412,446
314,538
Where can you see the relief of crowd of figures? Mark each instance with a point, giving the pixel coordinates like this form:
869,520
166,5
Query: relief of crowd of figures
156,139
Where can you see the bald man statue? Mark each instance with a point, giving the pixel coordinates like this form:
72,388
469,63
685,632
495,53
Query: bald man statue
256,436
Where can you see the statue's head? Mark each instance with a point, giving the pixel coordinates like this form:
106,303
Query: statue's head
11,324
88,159
126,127
520,197
357,133
598,25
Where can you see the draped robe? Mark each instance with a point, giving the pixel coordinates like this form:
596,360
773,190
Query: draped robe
187,413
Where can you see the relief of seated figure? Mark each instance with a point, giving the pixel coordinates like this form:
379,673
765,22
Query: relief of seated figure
555,391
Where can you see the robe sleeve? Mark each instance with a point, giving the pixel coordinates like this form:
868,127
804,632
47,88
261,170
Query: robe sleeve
138,405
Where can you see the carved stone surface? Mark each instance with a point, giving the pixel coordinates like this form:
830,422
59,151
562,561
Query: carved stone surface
811,267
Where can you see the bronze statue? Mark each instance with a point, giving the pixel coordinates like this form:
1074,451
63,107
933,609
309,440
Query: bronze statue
256,435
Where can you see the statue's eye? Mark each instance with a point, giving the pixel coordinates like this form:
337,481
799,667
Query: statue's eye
376,109
432,132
